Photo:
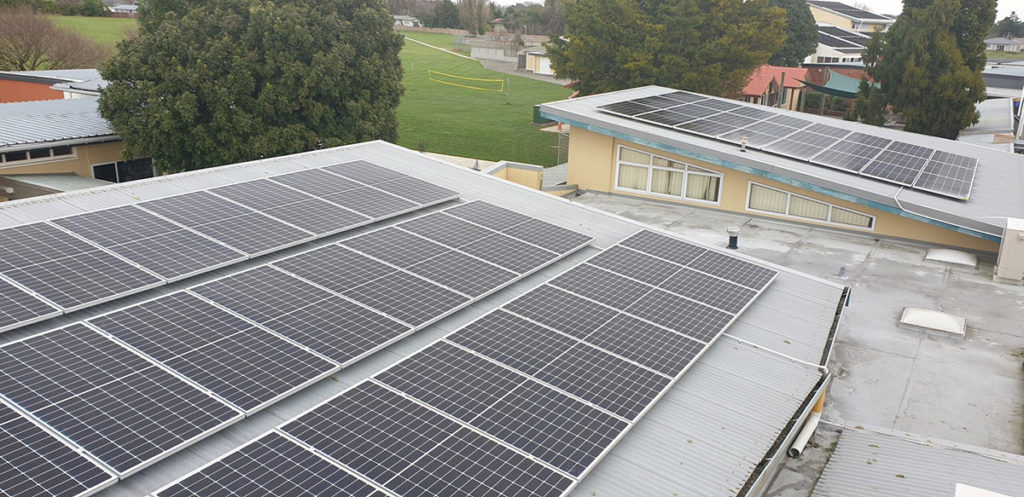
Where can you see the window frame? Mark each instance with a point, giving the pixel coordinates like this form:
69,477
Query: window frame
117,171
789,198
4,163
685,171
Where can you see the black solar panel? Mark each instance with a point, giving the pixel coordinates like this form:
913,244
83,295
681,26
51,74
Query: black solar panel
548,236
19,308
115,404
719,105
759,134
195,209
634,264
334,267
663,101
653,346
684,97
407,298
948,174
900,163
488,215
510,253
835,42
717,125
627,108
561,310
618,386
261,194
36,243
853,152
365,172
463,273
806,143
417,190
262,293
112,227
33,463
372,202
446,229
677,115
664,247
238,361
733,269
317,182
395,246
712,291
601,286
753,113
414,451
272,465
676,313
291,206
512,340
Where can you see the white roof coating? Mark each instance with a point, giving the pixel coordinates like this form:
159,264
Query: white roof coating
27,124
996,194
710,435
880,463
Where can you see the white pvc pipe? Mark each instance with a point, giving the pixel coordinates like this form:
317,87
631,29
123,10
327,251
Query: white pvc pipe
805,434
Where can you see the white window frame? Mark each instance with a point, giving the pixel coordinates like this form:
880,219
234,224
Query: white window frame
651,167
25,162
789,197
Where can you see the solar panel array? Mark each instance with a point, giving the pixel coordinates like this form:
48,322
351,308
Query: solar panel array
65,264
851,11
134,385
774,131
526,399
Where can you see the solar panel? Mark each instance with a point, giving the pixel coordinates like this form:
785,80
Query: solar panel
407,298
548,236
238,361
334,267
19,308
271,465
653,346
948,174
664,247
120,407
365,172
636,265
716,125
34,463
513,341
487,215
627,108
292,206
719,105
853,152
260,194
417,190
807,143
228,222
372,202
445,229
414,451
753,113
677,115
734,269
676,313
759,134
317,182
395,246
684,97
510,253
900,163
262,293
561,310
463,273
602,286
712,291
663,101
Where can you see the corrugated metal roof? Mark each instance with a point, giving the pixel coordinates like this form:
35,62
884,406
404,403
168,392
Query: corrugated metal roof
886,464
40,122
997,191
704,438
59,74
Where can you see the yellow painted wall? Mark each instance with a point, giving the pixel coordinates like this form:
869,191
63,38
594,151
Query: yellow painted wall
87,156
592,167
831,18
532,179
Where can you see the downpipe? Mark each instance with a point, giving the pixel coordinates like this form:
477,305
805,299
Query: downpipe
809,426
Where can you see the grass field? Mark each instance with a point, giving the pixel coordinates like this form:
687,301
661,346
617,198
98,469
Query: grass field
471,123
103,30
996,55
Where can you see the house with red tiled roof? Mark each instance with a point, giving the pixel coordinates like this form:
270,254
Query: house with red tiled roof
776,86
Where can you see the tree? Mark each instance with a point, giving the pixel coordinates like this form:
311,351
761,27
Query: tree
30,41
801,34
474,14
1009,27
220,81
708,46
444,15
929,63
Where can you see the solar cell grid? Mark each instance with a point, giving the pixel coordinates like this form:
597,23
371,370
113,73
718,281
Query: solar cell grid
417,190
395,246
318,216
898,168
853,152
488,215
463,273
733,269
110,227
716,125
338,329
634,264
260,194
18,307
685,97
752,113
627,108
178,254
371,202
659,101
709,290
364,172
238,361
653,346
759,134
195,209
561,310
684,316
510,253
112,402
664,247
271,465
254,233
789,121
602,286
677,115
548,236
35,464
446,229
334,267
317,182
802,144
407,298
948,174
512,340
614,384
719,105
35,243
262,293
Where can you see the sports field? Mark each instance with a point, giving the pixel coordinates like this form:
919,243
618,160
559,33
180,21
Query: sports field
104,30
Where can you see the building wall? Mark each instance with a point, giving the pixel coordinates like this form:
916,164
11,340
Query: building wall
23,91
86,157
831,18
592,160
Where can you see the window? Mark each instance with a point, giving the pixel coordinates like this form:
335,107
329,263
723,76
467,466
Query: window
36,155
122,171
648,173
764,199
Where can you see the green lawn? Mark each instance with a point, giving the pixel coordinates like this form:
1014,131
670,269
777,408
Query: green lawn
997,55
103,30
471,123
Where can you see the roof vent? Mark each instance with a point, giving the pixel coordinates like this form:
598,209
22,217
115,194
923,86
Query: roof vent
930,321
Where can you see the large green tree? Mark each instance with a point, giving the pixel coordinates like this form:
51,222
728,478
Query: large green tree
708,46
929,63
211,82
801,34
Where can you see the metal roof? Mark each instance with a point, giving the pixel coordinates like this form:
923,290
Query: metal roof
848,11
707,436
881,463
28,124
997,191
54,75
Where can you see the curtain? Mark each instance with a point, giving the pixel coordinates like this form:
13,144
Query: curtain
766,199
632,177
702,187
803,207
630,155
843,216
667,182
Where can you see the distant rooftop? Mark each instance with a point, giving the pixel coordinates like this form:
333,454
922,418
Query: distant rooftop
52,76
67,122
848,11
